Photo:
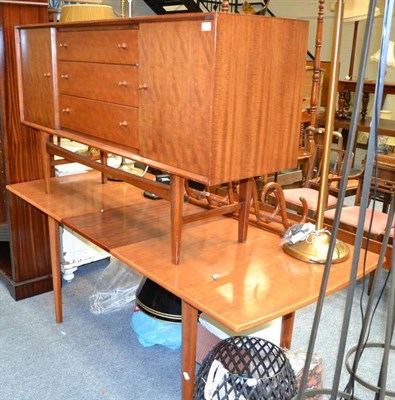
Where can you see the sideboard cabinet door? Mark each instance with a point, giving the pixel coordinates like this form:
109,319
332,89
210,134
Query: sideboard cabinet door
38,77
176,90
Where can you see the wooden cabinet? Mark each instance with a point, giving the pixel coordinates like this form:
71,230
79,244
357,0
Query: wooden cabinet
24,261
209,97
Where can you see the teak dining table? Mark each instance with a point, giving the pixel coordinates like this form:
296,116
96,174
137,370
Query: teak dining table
241,285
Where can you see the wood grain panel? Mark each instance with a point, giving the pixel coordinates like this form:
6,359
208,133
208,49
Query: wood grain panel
105,46
3,208
177,63
258,95
30,257
120,124
21,145
21,150
105,82
38,105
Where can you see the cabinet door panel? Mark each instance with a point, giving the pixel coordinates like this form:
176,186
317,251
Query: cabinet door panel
103,120
106,82
37,75
176,70
105,46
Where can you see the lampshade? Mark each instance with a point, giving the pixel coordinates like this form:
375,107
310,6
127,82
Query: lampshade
356,10
390,55
86,12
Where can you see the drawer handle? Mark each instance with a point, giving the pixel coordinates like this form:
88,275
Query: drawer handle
64,76
122,83
65,110
144,86
123,123
122,46
65,45
47,74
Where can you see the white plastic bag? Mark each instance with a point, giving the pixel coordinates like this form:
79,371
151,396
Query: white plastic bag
115,289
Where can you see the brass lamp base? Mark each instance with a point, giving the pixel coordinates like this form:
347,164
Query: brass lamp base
315,249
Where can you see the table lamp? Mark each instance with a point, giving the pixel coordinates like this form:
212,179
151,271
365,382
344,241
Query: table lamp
85,12
390,55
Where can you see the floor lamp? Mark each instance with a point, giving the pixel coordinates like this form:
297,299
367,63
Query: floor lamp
380,388
314,247
355,11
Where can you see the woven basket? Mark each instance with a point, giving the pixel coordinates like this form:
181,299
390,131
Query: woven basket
245,368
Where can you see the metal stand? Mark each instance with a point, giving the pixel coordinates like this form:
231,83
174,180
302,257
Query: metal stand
380,389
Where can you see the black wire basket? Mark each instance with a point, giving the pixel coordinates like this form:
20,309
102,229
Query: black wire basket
245,368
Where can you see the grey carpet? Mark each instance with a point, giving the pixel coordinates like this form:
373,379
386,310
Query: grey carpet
86,357
91,357
329,335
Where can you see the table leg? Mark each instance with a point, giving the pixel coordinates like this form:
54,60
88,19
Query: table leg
176,203
103,160
189,337
365,103
340,113
46,160
54,246
245,189
286,330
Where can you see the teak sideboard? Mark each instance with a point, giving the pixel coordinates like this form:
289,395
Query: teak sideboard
210,97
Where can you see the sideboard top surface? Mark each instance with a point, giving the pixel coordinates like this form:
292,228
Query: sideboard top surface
130,22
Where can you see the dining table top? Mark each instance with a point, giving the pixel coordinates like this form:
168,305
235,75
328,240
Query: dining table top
241,285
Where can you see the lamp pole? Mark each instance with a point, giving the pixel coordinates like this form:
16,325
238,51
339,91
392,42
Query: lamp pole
315,247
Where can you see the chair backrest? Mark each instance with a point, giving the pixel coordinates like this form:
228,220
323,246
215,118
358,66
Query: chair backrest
383,180
336,166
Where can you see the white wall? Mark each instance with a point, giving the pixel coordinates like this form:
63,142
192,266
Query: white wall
138,7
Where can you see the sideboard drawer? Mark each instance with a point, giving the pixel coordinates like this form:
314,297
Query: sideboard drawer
107,121
106,82
106,46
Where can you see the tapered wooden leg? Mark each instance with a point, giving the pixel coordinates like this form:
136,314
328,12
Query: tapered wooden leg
176,203
46,160
245,193
104,159
54,247
286,330
189,338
